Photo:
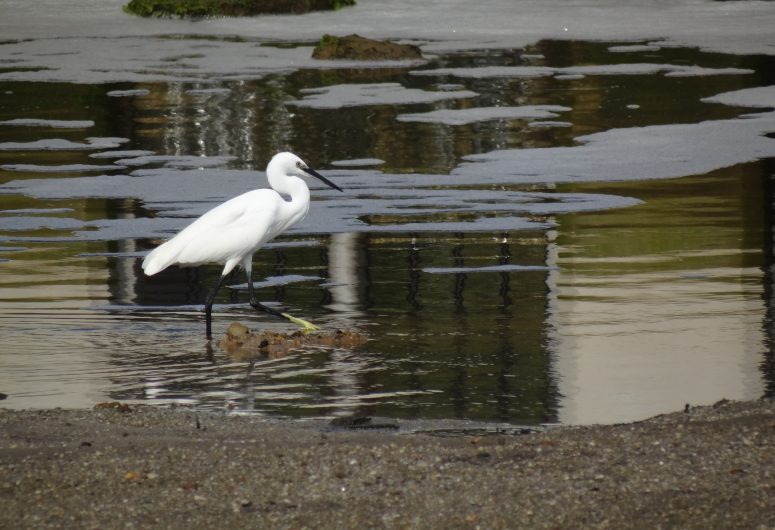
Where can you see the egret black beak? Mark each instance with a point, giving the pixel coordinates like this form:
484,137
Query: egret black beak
321,177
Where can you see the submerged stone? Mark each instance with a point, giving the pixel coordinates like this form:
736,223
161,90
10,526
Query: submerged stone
355,47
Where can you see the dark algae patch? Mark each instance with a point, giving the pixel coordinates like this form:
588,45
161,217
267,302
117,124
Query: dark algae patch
229,8
355,47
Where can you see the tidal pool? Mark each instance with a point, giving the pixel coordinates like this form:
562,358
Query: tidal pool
612,263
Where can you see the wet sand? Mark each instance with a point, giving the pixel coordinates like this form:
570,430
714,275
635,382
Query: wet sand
710,467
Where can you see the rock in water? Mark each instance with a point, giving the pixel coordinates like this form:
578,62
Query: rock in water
240,343
355,47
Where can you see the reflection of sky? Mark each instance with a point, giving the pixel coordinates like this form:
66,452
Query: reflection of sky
639,153
179,193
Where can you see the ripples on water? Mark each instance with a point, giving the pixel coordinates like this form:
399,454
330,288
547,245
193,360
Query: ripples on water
502,239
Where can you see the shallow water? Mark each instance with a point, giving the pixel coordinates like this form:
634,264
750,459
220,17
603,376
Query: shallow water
526,236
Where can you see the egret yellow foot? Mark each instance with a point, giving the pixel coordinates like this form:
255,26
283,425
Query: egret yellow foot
306,326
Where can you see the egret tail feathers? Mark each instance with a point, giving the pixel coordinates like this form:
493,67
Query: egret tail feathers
158,259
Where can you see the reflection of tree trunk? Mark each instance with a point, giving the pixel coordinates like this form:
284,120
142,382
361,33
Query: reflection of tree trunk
345,381
458,291
768,195
344,265
122,272
414,276
249,122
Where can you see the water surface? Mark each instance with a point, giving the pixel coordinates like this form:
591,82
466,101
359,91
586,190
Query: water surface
571,232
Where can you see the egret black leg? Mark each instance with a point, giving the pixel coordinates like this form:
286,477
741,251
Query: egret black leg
209,307
306,326
255,304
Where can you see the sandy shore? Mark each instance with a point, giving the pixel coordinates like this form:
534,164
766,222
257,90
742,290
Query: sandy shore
709,467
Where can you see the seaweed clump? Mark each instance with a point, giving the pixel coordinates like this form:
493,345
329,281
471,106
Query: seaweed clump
240,343
355,47
229,8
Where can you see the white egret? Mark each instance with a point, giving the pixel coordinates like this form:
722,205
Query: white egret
233,231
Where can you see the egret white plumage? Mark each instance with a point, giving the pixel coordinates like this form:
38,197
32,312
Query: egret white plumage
233,231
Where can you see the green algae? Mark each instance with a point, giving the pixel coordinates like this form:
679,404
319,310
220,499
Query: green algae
229,8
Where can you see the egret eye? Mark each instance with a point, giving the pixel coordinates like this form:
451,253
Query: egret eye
299,165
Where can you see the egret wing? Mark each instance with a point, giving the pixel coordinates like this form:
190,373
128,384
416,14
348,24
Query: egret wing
226,233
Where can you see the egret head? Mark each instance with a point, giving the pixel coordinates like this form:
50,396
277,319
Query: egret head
290,164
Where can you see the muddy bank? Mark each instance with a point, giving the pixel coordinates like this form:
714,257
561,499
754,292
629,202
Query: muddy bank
710,467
